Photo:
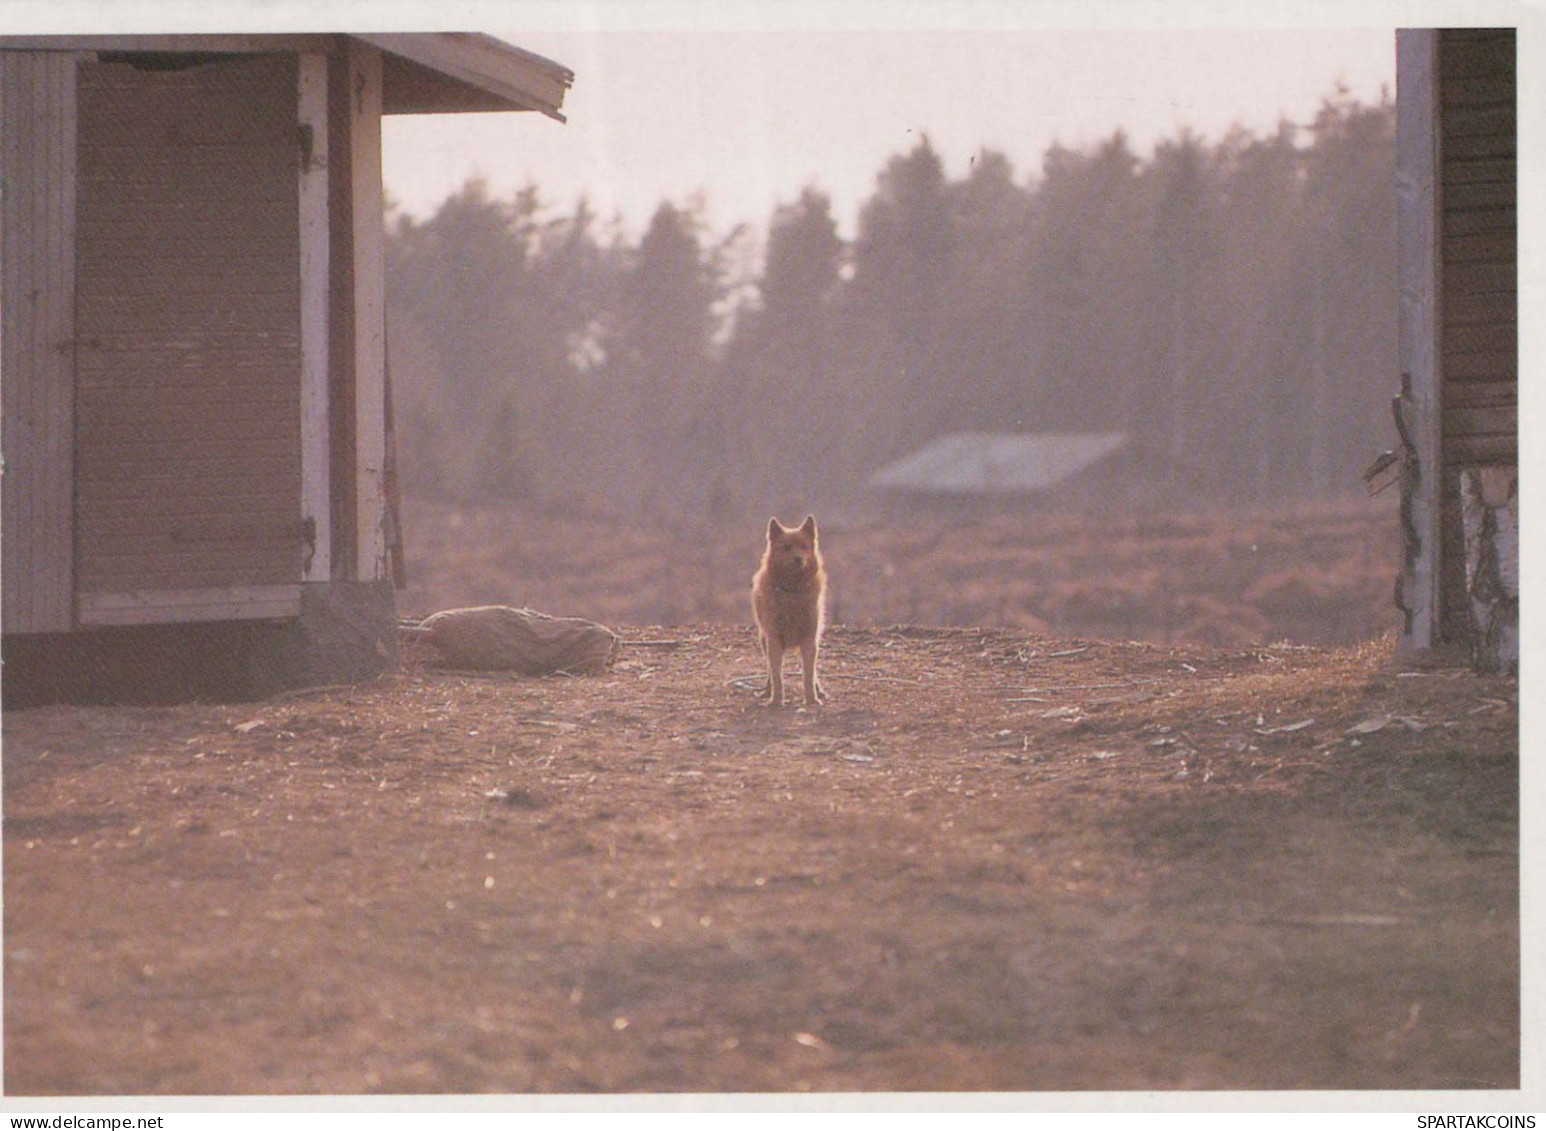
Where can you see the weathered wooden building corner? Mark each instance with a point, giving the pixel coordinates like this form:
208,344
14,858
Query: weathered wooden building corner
198,495
1457,408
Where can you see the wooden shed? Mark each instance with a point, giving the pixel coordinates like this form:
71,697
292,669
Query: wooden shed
1457,411
195,395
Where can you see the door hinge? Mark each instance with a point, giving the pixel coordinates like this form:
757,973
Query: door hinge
306,138
308,535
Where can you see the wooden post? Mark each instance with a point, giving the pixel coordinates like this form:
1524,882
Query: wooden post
369,239
316,494
1420,405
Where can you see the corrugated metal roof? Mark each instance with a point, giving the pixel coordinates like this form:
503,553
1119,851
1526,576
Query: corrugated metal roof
990,463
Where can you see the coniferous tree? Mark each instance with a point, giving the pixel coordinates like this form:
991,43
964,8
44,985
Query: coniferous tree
983,330
900,266
455,277
658,367
1183,240
791,421
1250,392
1352,216
1084,293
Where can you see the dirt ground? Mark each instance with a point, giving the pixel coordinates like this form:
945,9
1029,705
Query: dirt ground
995,860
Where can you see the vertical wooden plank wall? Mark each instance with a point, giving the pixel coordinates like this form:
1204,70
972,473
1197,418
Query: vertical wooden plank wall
188,368
1479,246
37,302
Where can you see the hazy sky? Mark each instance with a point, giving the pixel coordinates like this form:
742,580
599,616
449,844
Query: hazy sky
749,101
750,115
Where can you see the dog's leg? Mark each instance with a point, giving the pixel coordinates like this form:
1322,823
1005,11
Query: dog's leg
813,691
762,646
775,651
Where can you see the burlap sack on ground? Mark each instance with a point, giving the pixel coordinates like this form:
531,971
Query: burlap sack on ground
499,638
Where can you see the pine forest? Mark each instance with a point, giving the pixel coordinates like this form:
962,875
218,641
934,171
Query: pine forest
1229,307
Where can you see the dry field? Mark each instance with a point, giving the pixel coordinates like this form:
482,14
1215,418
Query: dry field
1320,574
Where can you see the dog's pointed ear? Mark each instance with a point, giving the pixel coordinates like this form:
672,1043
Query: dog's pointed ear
774,526
809,525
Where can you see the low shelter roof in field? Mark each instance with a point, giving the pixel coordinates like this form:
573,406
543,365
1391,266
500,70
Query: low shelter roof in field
989,463
422,73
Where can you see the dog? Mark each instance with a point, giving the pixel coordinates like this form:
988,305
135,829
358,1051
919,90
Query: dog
789,606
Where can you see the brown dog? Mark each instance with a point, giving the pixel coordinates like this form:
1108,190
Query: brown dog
789,604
